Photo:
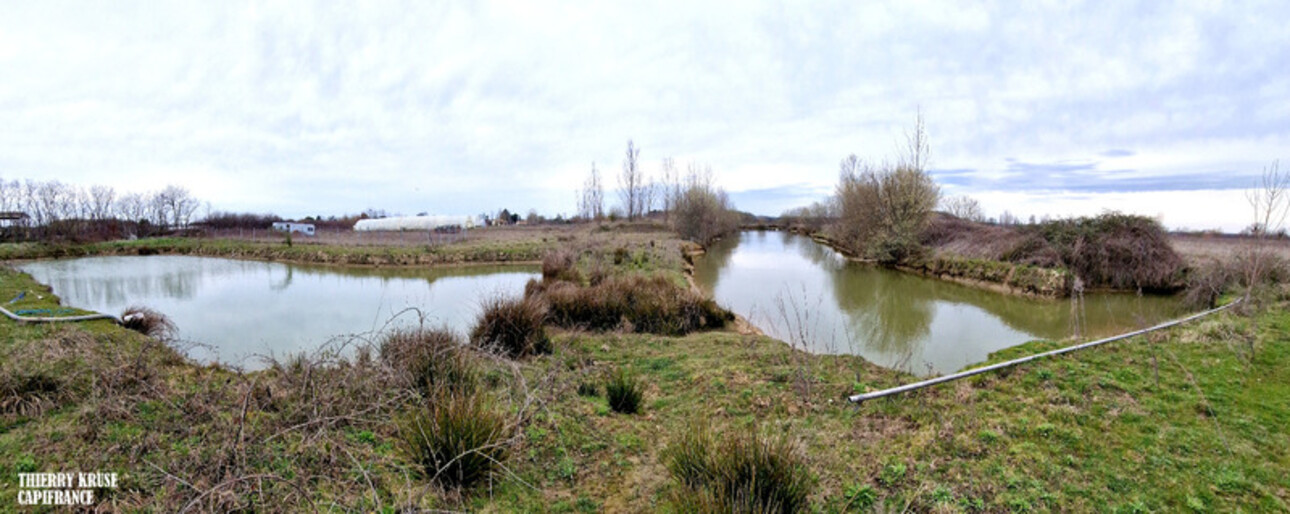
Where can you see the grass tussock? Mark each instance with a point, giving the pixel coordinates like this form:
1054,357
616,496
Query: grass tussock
429,360
148,322
561,265
633,303
741,472
458,440
512,326
624,393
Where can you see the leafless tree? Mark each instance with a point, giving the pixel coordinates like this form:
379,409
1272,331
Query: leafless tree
131,207
101,198
1271,205
591,201
631,183
883,210
178,206
964,207
670,188
917,146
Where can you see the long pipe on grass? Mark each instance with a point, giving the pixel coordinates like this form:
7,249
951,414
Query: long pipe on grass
36,319
860,398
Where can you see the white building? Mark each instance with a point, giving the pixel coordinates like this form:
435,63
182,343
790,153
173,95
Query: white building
288,226
418,223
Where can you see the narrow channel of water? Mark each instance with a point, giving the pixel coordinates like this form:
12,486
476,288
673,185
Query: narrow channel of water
238,310
806,294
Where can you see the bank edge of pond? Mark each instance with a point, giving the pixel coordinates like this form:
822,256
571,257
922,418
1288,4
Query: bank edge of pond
996,276
314,254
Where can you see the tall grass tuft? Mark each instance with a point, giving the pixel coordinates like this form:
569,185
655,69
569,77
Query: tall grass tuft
456,439
430,359
512,326
561,265
743,472
148,322
623,392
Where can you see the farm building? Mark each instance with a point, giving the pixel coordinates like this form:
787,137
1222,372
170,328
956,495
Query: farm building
288,226
418,223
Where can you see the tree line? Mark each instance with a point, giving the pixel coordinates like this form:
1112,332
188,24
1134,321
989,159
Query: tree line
692,203
39,208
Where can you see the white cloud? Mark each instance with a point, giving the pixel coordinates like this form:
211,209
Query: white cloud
475,106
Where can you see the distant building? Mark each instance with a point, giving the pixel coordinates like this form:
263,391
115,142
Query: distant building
288,226
428,222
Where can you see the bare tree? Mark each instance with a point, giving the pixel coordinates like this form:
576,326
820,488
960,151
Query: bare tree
883,211
631,183
591,201
1271,205
132,207
965,207
101,198
670,189
177,206
917,146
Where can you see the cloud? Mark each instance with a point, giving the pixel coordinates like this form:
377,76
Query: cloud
301,108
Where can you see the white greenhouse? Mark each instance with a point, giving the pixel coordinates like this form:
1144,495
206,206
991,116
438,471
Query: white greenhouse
418,223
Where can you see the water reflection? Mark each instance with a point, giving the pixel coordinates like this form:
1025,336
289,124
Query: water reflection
807,294
240,309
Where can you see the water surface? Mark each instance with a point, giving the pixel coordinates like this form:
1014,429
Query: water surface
238,310
804,293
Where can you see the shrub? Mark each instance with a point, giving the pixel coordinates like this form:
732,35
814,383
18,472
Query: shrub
1116,250
148,322
623,392
702,212
883,211
646,304
430,359
512,326
457,439
740,472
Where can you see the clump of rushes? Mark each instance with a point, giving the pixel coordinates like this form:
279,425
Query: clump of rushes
512,326
742,472
457,439
148,322
623,392
430,359
561,265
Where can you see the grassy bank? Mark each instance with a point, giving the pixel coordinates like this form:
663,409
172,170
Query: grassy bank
1187,420
491,245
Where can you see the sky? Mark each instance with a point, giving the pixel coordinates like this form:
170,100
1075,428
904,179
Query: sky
1167,109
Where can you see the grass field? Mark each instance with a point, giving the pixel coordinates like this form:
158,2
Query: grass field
1189,420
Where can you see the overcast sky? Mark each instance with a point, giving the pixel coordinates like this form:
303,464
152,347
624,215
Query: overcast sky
1162,109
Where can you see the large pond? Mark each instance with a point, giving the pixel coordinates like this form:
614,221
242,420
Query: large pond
235,311
808,295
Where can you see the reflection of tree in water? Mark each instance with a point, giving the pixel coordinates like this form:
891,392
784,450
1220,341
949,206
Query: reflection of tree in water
817,253
886,312
707,269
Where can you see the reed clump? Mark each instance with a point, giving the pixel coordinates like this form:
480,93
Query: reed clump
430,359
458,440
739,472
624,393
512,326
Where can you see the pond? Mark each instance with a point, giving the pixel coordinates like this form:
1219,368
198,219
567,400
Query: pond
234,311
810,296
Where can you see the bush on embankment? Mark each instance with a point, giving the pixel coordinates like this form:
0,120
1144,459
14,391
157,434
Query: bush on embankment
1112,250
